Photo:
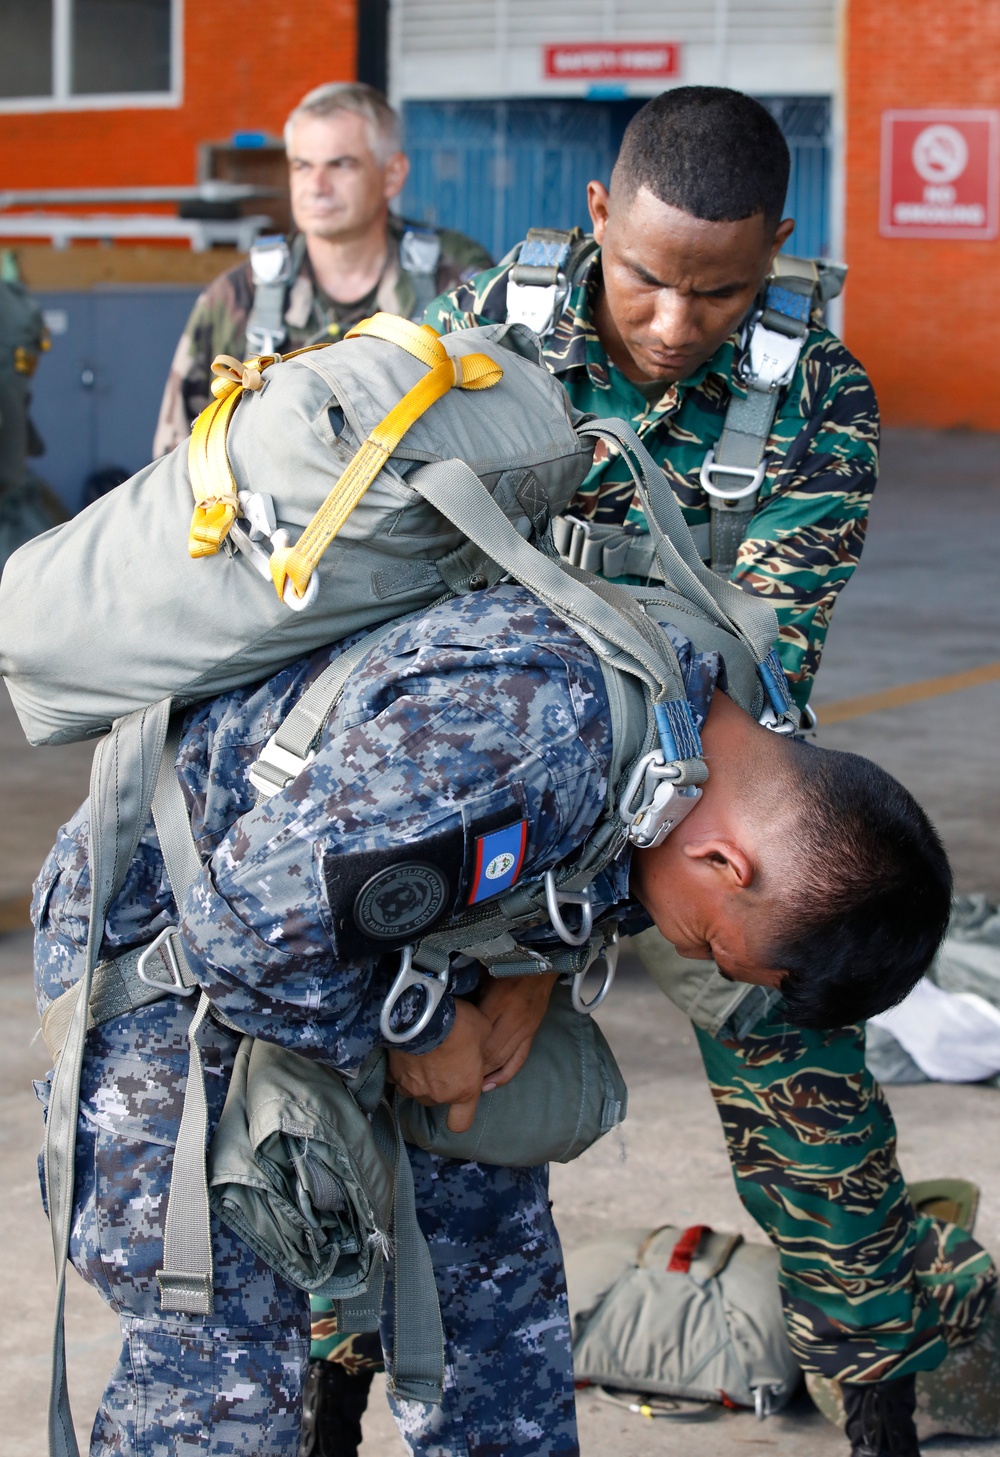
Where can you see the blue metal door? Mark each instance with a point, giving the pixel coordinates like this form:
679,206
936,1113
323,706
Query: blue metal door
493,169
96,395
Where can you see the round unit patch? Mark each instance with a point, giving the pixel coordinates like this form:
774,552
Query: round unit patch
398,903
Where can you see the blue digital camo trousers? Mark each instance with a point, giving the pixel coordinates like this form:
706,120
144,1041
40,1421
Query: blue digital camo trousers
232,1383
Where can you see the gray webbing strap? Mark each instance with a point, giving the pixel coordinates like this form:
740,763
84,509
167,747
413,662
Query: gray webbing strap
419,256
290,747
274,266
121,789
185,1280
418,1365
616,551
751,618
116,988
457,492
740,449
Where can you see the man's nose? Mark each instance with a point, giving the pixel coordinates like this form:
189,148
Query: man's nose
678,319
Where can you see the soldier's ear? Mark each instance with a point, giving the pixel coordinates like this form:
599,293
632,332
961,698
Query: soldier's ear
782,233
396,171
599,206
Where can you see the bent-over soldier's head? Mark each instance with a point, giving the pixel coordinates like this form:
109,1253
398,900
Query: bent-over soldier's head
345,161
689,228
801,868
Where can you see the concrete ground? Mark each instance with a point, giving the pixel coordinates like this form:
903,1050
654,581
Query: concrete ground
924,604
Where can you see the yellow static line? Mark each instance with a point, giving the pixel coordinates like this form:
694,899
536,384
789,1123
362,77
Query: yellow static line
906,693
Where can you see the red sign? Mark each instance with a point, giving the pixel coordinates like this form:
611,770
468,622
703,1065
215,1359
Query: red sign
612,60
940,174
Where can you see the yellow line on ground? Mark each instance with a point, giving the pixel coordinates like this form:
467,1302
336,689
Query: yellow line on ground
906,693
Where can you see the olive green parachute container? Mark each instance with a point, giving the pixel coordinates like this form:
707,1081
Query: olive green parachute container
109,612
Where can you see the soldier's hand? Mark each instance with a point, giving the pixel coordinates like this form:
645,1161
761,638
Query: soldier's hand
452,1073
515,1006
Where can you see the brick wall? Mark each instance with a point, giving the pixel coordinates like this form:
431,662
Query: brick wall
923,315
244,69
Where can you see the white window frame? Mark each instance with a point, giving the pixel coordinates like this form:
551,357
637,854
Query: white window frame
61,98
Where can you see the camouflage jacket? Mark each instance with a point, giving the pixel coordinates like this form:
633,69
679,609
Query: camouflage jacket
806,537
219,319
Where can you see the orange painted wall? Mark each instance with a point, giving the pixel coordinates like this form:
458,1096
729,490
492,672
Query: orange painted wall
244,69
922,315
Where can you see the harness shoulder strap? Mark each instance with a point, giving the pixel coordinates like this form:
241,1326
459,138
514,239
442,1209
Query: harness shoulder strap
733,471
274,264
419,256
548,263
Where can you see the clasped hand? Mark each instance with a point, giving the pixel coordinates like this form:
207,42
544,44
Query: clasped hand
487,1045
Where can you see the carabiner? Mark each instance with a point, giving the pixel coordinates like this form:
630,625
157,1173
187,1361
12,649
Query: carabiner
609,955
433,985
649,819
554,899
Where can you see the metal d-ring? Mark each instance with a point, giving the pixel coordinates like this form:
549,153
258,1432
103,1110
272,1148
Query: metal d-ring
609,955
433,987
555,899
165,943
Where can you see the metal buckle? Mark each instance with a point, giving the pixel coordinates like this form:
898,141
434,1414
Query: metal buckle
554,899
281,759
537,305
176,985
773,358
653,803
755,476
246,539
609,955
433,985
575,534
786,725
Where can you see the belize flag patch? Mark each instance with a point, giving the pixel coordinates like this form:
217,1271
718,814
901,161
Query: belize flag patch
499,857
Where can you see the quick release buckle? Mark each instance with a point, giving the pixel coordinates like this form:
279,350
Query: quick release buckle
432,984
288,766
653,803
164,950
536,304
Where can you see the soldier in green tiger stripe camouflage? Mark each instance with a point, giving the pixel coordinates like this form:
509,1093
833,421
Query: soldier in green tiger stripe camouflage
654,327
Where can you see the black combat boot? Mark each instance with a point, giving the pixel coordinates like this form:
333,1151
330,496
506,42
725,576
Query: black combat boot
880,1418
333,1403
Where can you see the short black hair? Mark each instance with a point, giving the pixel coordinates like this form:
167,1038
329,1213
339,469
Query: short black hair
714,153
872,897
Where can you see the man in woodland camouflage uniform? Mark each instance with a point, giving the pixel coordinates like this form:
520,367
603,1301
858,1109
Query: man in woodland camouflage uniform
655,325
348,259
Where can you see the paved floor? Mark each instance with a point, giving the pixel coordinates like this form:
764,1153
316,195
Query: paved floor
924,603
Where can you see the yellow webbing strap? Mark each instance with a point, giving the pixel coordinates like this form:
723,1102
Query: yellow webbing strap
296,564
212,481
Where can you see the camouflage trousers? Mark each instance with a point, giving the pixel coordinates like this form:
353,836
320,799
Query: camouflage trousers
232,1383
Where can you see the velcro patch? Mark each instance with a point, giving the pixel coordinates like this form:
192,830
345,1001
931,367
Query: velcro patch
401,901
499,856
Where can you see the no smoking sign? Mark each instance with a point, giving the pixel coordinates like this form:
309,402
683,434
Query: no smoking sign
940,174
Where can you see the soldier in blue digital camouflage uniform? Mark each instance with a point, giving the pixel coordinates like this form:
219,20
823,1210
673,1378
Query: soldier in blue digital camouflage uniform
486,714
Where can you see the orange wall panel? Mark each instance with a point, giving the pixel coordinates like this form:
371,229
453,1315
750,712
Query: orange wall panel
923,315
244,69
